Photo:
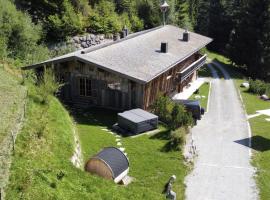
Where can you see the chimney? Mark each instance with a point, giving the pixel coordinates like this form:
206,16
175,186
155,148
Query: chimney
186,36
164,47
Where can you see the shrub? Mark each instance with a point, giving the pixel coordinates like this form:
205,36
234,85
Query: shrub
267,91
257,87
162,107
103,19
177,139
173,114
20,39
180,117
66,23
48,85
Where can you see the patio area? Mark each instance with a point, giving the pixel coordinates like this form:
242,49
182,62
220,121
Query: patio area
190,89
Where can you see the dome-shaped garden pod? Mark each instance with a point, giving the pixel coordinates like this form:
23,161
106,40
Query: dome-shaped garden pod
110,163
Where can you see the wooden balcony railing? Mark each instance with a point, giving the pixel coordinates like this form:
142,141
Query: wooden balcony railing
193,67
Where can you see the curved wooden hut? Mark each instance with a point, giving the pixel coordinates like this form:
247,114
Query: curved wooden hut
110,163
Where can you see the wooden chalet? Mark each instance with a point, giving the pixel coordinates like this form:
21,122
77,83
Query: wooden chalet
130,72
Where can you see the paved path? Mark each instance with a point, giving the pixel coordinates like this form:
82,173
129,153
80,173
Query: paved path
222,170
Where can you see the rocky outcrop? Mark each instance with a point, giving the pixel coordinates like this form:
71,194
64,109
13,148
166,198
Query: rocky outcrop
88,40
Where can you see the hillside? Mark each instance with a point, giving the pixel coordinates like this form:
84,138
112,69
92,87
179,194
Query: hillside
42,168
12,96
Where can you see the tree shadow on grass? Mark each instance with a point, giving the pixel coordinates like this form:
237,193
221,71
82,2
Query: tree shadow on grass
94,116
258,143
169,145
162,135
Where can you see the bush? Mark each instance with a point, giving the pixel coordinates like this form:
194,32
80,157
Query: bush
103,19
162,107
259,87
173,114
177,139
180,117
67,23
267,91
20,39
48,85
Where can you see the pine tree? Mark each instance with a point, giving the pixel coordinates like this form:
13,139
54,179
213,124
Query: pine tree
181,13
123,6
215,25
193,11
202,21
250,40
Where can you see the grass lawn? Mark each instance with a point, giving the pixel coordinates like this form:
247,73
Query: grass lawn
203,91
150,164
260,127
252,102
261,141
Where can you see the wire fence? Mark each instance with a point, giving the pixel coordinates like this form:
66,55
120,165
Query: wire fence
7,146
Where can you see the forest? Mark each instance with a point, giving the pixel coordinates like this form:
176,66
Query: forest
240,28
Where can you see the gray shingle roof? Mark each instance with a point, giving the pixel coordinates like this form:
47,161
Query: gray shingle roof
138,56
115,158
137,115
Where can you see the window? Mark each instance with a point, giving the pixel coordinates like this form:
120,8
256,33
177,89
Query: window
85,87
88,87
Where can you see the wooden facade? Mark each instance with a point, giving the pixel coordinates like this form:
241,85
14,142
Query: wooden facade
87,85
169,82
96,166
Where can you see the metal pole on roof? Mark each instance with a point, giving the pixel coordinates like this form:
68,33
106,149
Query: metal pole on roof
164,7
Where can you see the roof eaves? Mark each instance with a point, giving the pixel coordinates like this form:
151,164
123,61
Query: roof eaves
48,62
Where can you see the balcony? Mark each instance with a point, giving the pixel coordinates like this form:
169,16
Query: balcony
183,75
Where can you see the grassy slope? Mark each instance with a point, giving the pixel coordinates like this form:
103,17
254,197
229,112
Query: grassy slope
11,109
149,164
260,128
38,162
11,96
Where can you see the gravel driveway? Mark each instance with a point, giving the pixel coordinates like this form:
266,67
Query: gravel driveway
222,169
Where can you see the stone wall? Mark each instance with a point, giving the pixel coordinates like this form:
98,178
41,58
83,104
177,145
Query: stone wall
88,40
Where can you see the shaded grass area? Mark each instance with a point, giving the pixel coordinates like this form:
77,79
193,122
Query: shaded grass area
204,72
259,126
150,165
261,129
203,91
